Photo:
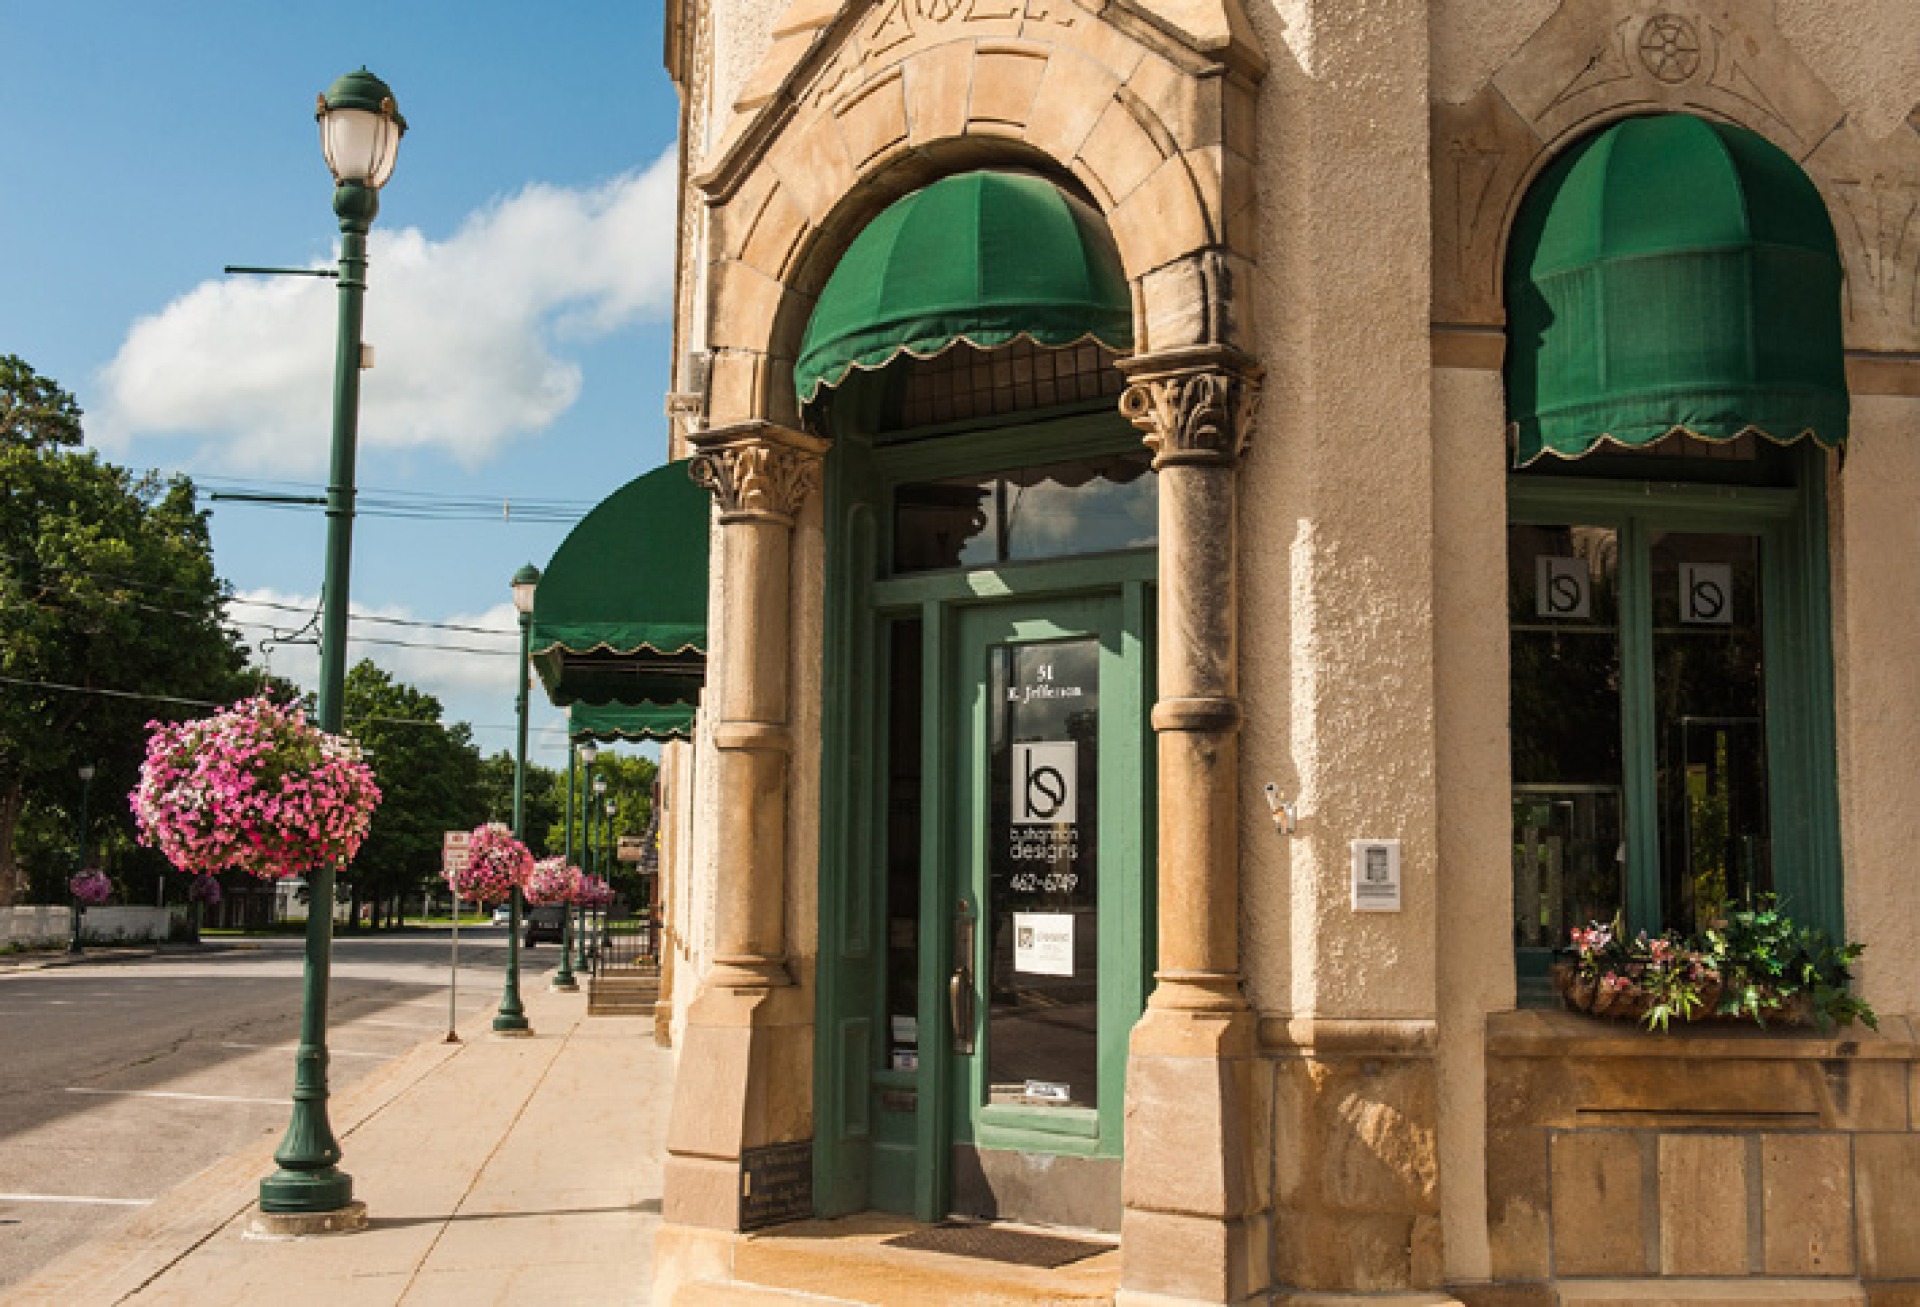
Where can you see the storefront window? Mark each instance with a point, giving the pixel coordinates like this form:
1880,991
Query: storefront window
1670,706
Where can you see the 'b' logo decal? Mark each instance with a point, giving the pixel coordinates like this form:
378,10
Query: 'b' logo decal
1043,782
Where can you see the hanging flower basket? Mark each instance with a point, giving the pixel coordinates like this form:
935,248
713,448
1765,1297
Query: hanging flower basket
552,881
595,892
497,864
91,887
253,788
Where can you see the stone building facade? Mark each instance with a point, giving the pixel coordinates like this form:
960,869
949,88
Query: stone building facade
1312,654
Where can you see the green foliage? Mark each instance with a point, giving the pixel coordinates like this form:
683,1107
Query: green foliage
1753,962
429,777
546,798
1765,961
630,788
34,412
106,584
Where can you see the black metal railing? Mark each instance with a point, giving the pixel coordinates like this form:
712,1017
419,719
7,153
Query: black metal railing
626,946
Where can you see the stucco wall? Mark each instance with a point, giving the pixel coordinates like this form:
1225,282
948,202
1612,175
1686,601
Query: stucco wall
1337,506
1470,692
1876,590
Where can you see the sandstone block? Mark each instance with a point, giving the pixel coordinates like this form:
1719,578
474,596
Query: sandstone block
1599,1204
1703,1204
1004,84
938,82
873,118
1887,1187
1807,1199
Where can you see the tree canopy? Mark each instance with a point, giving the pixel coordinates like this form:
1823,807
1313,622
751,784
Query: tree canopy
429,778
110,614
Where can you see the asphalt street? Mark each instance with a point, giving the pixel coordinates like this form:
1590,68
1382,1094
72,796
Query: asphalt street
119,1079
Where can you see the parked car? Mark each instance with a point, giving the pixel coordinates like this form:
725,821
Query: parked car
503,915
548,922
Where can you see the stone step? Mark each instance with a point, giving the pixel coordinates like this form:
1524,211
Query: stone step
1711,1293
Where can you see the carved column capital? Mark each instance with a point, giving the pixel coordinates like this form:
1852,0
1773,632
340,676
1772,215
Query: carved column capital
1193,405
758,472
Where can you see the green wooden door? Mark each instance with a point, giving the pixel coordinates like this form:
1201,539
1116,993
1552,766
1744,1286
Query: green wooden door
1041,904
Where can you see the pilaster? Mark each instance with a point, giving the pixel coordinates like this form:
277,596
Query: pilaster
746,1068
1197,1193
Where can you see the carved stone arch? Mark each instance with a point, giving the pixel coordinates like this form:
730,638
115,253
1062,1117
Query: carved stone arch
856,106
1592,63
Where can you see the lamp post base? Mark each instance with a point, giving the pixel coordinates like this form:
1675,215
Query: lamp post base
304,1225
512,1032
568,986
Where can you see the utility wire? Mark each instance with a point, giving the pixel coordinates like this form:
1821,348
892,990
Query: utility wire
132,584
208,703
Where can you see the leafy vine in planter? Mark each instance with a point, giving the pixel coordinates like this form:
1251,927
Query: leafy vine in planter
1752,963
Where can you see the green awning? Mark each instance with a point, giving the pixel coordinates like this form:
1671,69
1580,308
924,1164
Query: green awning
1672,274
621,613
981,257
606,723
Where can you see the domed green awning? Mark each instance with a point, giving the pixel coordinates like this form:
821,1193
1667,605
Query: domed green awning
1673,274
605,723
981,257
620,615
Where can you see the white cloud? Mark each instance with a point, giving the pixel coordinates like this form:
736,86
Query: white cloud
470,335
469,671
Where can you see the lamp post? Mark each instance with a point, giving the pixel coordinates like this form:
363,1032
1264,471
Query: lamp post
360,130
613,858
588,753
511,1020
606,860
563,979
86,791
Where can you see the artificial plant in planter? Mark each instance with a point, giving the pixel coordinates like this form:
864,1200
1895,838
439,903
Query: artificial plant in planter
1752,963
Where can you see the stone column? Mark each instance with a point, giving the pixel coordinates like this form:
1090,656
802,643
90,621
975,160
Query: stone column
745,1071
1196,1192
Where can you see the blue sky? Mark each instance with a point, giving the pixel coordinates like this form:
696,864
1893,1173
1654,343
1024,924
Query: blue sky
519,288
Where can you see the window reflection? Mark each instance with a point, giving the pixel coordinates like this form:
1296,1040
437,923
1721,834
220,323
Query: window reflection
1055,510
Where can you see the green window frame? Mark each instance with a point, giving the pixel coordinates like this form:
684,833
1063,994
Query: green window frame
1790,524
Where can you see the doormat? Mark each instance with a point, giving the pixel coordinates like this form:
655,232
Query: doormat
997,1243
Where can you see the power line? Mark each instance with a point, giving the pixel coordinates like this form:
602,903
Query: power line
300,609
132,584
208,703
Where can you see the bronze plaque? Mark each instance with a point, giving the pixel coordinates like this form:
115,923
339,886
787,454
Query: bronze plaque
776,1184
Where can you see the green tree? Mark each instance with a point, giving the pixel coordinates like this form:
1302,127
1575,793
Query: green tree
34,412
429,777
110,614
630,789
546,797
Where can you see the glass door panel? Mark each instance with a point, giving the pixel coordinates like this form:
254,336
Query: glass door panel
1710,724
1042,864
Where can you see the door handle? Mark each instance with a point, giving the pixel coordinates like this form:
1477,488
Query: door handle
960,992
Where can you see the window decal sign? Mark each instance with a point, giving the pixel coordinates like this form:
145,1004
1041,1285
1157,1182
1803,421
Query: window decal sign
1044,776
1706,594
1562,587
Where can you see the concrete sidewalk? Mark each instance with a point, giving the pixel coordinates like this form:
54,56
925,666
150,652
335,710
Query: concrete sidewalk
494,1172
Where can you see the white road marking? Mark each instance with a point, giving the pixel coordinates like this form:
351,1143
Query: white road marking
331,1052
162,1093
74,1198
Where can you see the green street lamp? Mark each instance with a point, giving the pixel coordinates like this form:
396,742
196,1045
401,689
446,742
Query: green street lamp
360,130
589,752
563,979
511,1020
86,790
